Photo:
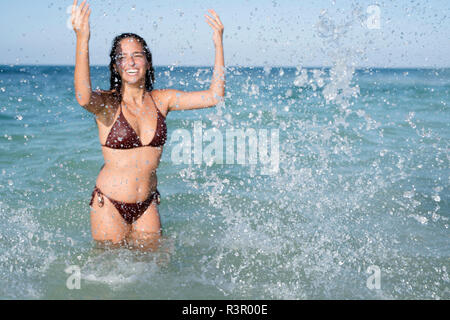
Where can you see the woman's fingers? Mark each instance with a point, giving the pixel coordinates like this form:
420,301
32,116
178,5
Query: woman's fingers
80,14
215,15
215,24
74,6
213,19
75,15
84,10
80,8
74,11
214,27
77,12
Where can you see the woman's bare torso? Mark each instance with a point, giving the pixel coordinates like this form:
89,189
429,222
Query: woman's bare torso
129,175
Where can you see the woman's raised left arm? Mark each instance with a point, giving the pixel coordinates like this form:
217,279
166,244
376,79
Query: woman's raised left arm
181,100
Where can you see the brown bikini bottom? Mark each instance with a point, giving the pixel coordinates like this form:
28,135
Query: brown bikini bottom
130,212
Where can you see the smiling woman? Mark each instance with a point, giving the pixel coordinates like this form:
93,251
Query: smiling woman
132,130
127,65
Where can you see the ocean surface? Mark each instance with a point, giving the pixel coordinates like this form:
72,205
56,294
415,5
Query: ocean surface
359,207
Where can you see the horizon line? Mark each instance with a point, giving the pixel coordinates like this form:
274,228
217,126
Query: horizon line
234,66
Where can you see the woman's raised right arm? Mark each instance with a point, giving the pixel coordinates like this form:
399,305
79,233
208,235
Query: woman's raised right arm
91,101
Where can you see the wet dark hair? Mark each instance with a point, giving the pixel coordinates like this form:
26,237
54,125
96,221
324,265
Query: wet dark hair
116,80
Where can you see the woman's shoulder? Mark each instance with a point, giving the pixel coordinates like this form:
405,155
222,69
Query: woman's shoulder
159,94
164,94
105,102
108,96
161,98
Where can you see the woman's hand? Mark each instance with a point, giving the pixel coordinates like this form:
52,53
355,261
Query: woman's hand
80,19
217,26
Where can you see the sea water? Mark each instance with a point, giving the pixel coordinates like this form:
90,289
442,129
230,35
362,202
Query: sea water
358,207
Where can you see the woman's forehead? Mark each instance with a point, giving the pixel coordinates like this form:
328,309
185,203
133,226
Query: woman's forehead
130,44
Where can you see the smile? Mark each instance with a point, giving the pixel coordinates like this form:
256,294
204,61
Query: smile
132,72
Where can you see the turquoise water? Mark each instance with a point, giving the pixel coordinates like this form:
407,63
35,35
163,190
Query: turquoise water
363,181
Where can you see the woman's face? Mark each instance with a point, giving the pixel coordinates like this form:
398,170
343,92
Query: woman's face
131,62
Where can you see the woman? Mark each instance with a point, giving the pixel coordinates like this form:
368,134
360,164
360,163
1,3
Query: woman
132,129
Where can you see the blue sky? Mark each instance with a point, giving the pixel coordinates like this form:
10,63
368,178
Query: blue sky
264,32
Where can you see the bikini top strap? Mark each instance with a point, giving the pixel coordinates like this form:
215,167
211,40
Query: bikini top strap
151,96
157,109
